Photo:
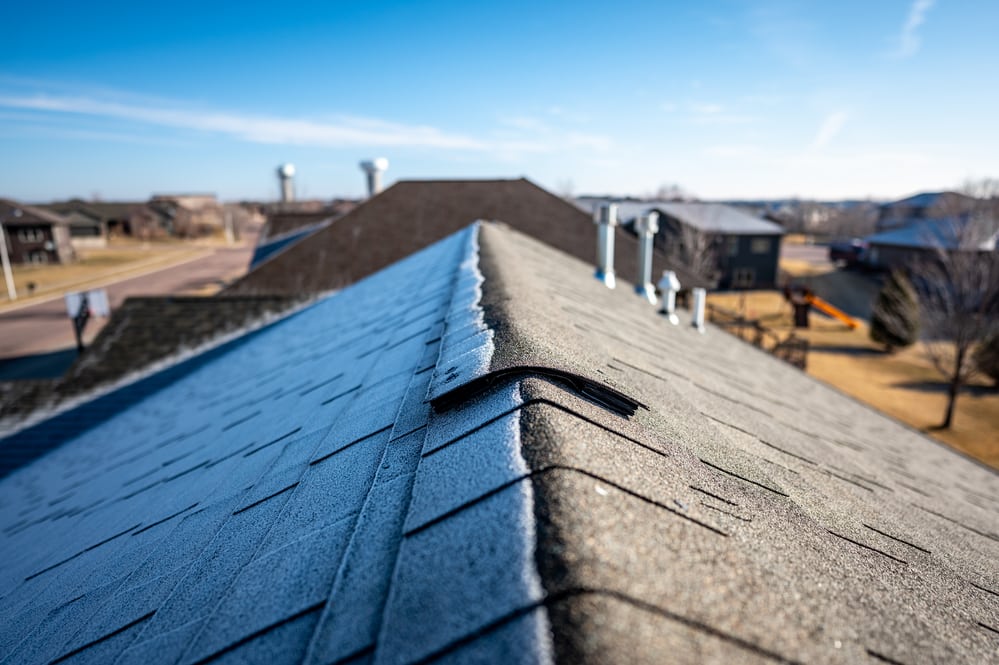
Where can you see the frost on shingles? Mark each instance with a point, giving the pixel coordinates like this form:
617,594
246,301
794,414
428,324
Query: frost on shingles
467,347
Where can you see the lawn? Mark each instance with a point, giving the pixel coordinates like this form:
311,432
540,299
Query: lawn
903,385
94,265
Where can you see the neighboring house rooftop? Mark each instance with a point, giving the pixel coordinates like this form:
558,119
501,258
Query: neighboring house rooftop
412,214
928,200
29,215
480,454
932,234
706,217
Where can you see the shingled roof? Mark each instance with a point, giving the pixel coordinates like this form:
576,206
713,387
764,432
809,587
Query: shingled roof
480,454
142,332
412,214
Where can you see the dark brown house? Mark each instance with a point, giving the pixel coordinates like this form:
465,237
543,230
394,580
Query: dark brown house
34,235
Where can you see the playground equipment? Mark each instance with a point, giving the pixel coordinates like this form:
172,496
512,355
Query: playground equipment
802,298
826,308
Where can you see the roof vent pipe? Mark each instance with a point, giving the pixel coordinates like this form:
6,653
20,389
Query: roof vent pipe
670,286
286,175
606,220
647,225
700,296
374,169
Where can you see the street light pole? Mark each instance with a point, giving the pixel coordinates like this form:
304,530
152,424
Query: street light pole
7,273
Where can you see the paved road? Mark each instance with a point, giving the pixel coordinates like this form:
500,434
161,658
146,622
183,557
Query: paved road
44,327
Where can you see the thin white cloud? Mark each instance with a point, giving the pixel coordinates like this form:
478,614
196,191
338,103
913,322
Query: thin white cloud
252,128
703,109
909,39
831,125
523,135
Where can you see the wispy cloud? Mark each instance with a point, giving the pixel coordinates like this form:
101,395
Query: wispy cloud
252,128
909,39
831,125
514,138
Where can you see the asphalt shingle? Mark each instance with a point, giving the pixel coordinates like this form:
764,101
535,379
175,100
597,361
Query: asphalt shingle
481,454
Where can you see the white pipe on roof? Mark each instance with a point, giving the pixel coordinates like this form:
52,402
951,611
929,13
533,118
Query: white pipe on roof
606,220
647,225
700,297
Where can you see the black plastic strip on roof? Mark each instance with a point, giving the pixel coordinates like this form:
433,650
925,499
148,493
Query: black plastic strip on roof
598,393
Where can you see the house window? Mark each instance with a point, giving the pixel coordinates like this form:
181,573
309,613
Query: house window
743,278
30,234
760,246
732,245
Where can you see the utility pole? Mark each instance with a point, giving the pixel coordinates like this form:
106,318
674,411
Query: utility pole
7,273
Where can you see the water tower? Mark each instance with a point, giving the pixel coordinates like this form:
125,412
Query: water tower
286,175
374,168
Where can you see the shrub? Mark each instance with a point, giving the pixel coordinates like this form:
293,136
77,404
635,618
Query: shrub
895,317
987,357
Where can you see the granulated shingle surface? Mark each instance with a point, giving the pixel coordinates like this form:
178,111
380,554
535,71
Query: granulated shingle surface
481,454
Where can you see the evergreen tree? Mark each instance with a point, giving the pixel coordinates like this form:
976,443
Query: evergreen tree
987,357
895,317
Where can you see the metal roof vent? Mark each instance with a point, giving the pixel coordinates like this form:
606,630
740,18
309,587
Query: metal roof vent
700,297
647,225
286,176
606,220
670,286
374,169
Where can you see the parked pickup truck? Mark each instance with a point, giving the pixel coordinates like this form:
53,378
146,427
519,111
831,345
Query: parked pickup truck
848,252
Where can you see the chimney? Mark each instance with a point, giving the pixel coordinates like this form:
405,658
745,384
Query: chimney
606,220
647,225
374,169
670,286
700,295
286,176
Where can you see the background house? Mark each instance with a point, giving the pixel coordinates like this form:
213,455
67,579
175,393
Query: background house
925,205
34,235
741,250
919,241
189,214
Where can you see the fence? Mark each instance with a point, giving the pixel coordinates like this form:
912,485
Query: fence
791,349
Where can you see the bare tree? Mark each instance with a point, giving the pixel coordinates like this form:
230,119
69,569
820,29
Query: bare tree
851,221
566,189
959,294
690,249
670,192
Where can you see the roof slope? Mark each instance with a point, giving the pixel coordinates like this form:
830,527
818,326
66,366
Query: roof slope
931,234
483,455
142,332
27,215
412,214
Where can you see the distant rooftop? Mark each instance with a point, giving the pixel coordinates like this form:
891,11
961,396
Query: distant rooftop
706,217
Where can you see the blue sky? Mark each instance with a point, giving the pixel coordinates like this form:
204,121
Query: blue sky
732,98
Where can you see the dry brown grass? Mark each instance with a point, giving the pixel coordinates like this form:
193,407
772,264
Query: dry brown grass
94,265
903,385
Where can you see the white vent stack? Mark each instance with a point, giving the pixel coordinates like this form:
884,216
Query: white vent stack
647,225
606,220
700,297
374,169
286,176
670,286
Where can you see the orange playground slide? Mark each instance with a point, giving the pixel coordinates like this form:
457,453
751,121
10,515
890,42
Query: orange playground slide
824,307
